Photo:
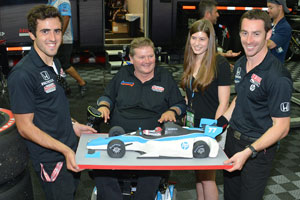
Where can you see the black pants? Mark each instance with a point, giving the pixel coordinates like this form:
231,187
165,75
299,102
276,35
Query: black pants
108,188
250,182
65,185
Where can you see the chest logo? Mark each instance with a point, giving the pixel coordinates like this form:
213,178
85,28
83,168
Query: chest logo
156,88
252,87
50,88
127,83
285,107
45,75
255,79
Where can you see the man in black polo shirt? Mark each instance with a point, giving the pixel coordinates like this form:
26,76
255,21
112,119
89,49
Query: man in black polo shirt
41,108
140,95
259,116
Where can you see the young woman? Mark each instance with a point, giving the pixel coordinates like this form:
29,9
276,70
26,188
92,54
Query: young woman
206,80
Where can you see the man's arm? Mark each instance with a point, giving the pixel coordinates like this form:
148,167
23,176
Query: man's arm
170,114
230,54
271,44
30,132
104,108
66,20
229,111
278,131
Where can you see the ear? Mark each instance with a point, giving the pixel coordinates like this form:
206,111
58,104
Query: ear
207,15
31,35
269,34
131,59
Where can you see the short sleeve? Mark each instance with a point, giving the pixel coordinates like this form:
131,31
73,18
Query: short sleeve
280,94
223,71
21,93
65,9
282,36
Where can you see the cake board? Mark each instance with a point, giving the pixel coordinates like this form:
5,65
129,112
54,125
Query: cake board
100,160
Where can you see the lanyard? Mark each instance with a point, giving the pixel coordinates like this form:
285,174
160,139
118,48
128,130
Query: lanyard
54,173
193,93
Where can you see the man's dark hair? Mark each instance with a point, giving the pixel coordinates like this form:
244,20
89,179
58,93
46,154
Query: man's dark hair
258,15
206,5
41,12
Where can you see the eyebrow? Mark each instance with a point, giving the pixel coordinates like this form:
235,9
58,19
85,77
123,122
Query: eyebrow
45,29
48,29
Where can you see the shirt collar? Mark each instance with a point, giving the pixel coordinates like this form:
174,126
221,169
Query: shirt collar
264,65
36,59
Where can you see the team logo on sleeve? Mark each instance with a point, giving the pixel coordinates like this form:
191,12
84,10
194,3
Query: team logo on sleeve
237,76
156,88
285,107
127,83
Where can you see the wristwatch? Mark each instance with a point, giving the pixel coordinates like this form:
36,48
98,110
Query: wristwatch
254,152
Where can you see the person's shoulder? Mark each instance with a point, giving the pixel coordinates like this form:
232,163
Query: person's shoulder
19,72
285,24
127,68
241,60
125,71
162,71
64,1
66,4
220,60
277,68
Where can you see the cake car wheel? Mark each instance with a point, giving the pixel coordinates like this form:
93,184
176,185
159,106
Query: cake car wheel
201,149
116,131
116,149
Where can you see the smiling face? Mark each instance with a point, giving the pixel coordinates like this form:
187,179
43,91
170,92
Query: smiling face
143,61
199,43
254,38
47,38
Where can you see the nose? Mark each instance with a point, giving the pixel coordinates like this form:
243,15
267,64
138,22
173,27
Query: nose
52,36
249,38
197,41
147,59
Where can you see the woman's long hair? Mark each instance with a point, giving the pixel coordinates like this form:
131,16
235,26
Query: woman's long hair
207,70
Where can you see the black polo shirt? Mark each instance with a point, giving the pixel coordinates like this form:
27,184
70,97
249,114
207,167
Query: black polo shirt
33,88
136,104
262,93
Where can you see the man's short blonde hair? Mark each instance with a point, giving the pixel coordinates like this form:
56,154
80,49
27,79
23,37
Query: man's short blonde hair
140,42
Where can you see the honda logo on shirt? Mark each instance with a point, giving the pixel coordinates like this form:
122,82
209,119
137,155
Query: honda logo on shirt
45,75
285,107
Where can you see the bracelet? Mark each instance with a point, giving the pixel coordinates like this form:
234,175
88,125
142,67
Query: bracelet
104,105
173,110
